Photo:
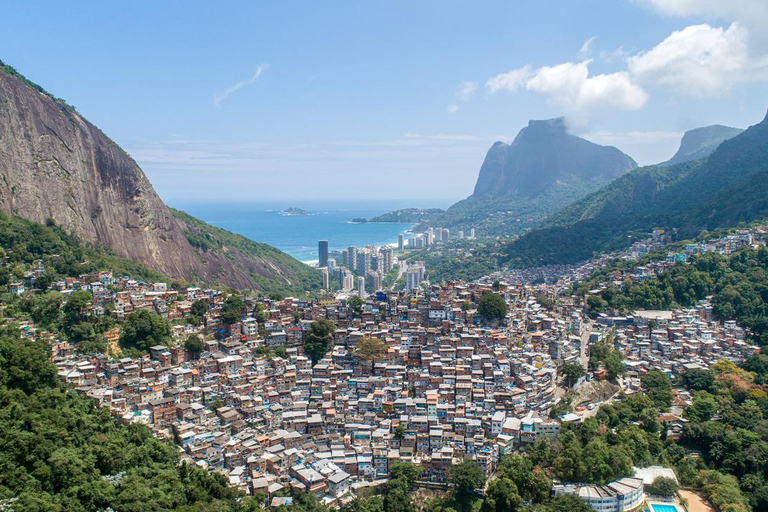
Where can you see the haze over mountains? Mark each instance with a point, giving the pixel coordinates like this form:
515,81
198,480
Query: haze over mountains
56,165
701,142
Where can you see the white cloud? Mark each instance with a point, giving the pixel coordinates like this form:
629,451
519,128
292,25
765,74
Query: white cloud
452,108
701,61
570,87
467,90
585,51
239,85
509,82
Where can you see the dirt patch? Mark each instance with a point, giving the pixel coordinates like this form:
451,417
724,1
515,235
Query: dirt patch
595,391
696,502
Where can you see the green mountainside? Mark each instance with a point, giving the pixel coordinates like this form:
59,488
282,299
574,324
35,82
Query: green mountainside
724,189
23,242
257,259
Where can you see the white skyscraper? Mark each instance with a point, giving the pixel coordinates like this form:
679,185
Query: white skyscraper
361,287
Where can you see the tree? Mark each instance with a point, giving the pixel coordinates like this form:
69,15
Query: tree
399,431
370,349
465,478
697,379
702,408
78,314
502,496
406,472
403,476
571,373
194,344
658,388
44,280
662,486
197,312
142,329
492,307
232,310
614,365
318,338
355,306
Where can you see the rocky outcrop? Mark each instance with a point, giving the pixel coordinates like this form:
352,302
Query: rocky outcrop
54,164
543,154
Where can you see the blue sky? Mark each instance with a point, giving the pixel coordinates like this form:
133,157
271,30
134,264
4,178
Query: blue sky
396,99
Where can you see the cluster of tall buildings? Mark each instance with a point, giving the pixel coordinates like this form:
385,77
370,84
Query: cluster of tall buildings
361,268
432,236
414,276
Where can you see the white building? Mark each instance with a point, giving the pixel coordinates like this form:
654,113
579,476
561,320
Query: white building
622,495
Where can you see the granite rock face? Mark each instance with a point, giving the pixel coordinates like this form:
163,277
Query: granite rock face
543,154
54,164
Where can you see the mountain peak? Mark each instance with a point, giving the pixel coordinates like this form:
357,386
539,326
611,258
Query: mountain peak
556,124
544,154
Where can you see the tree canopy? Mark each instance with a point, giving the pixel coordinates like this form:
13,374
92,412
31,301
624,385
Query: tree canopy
318,338
143,329
492,307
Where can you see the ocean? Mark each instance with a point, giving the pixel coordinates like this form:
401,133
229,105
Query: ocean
297,235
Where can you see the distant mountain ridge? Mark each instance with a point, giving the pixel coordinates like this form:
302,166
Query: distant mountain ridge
701,142
544,169
723,189
57,165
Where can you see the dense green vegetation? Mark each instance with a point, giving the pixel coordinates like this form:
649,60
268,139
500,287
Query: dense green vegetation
24,242
210,238
465,260
142,329
724,189
738,284
408,216
492,307
61,454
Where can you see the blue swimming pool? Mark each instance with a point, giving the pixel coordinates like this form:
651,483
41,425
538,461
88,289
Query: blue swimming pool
663,508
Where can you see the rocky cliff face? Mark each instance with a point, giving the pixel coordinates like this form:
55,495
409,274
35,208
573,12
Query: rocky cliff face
542,154
55,164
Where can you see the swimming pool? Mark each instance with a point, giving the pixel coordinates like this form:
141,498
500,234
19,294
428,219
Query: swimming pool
663,508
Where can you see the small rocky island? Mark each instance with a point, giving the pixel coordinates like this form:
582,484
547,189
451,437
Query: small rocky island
295,212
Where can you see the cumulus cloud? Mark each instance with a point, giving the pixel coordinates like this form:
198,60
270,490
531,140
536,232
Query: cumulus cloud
701,61
509,82
452,108
239,85
570,86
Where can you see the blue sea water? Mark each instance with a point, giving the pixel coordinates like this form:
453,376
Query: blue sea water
298,234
